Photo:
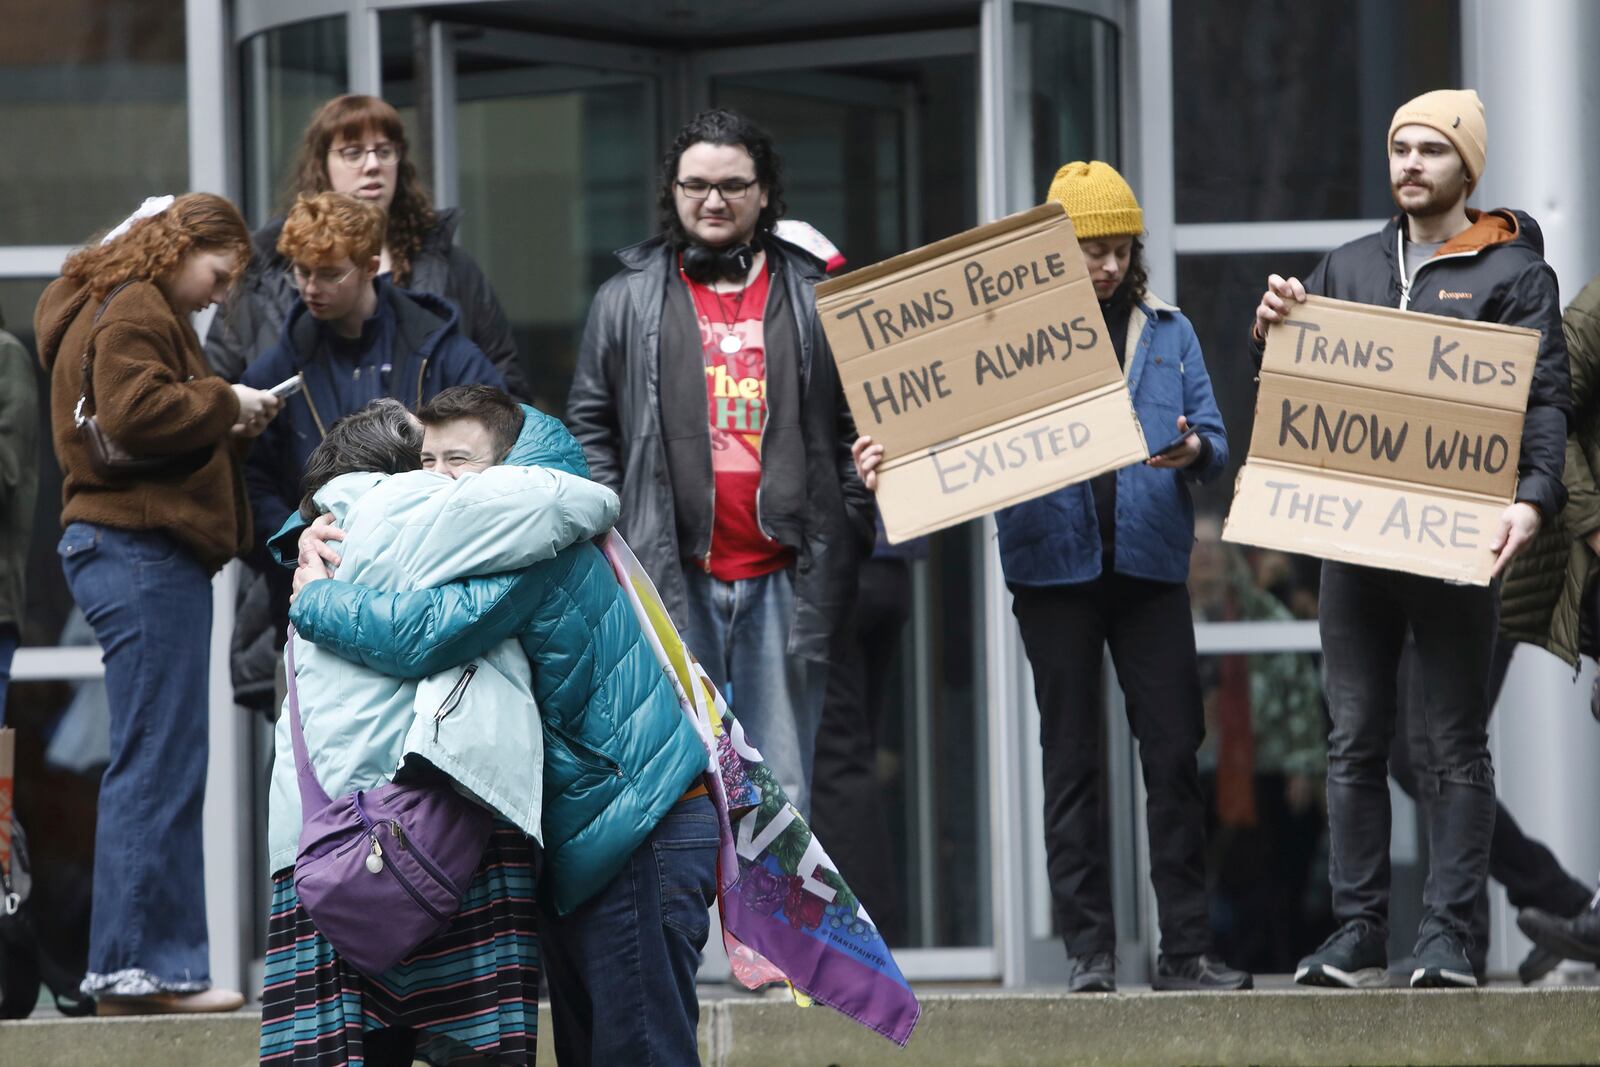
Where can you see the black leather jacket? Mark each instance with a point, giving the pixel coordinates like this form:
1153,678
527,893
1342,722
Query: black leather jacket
648,438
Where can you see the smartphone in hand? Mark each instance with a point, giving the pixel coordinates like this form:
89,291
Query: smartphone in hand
1172,445
288,387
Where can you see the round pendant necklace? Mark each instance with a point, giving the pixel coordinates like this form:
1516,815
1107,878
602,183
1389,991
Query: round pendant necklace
731,342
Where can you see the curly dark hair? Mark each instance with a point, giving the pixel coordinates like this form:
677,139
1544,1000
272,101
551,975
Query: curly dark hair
722,127
354,118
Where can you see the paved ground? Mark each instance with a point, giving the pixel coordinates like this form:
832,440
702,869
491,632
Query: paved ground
966,1027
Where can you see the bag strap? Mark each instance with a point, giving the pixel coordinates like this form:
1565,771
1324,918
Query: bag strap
312,796
86,394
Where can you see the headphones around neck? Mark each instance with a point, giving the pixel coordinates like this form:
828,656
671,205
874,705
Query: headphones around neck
706,265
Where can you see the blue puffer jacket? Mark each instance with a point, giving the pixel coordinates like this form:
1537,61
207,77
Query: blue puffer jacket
619,752
1055,539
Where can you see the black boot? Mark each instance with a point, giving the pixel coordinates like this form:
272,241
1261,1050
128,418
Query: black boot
1572,939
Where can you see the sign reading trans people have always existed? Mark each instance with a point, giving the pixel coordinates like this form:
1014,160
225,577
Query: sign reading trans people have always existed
1384,437
982,366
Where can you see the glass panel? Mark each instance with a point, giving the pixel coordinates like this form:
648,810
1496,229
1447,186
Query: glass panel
403,44
556,171
1065,97
879,158
1262,768
1250,72
48,602
1219,294
287,74
94,118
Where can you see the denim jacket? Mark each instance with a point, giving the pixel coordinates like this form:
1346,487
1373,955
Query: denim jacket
1055,539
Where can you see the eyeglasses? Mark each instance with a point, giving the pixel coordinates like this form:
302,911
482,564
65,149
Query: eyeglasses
354,155
325,277
733,189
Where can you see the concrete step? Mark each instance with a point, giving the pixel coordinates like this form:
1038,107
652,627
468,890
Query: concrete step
1287,1027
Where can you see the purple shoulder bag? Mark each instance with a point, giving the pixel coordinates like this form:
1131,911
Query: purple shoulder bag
380,871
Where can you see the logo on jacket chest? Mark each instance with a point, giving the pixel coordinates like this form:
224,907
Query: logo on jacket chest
1449,294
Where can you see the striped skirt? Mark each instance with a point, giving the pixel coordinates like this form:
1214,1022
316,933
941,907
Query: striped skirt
472,991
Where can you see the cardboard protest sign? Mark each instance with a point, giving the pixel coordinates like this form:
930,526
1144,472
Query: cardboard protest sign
982,366
1387,438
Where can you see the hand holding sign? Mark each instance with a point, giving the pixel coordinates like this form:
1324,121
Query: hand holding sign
867,456
1519,523
1274,306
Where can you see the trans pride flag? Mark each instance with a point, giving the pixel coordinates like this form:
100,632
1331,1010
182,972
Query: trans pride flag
787,916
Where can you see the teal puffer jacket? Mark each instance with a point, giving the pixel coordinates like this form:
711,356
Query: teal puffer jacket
619,752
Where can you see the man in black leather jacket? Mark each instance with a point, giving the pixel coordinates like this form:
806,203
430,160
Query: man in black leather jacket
1440,257
706,395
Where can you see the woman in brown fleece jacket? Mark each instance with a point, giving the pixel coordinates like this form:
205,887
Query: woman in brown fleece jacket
138,552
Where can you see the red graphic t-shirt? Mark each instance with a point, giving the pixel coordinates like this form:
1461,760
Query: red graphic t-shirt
734,343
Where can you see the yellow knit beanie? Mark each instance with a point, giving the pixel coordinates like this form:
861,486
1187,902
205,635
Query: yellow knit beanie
1098,200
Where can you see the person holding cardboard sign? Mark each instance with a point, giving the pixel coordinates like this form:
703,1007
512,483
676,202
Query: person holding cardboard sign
1441,257
1104,562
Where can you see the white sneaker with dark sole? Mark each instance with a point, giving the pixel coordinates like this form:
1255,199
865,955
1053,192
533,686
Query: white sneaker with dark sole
1327,975
1442,978
1441,962
1355,957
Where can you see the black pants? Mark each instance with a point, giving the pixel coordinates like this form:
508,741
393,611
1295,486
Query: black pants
1531,874
1364,616
1147,625
847,804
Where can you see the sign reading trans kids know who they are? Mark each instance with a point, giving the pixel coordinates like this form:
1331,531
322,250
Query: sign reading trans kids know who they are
1386,438
981,364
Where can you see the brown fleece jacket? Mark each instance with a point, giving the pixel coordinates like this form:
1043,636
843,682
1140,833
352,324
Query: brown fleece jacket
156,396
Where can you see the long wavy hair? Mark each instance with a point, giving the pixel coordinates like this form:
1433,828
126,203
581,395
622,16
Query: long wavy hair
353,118
720,126
152,249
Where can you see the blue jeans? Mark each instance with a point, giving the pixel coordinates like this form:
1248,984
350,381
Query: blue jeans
149,603
9,639
621,966
740,633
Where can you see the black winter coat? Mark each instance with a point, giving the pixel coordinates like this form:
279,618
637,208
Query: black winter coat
252,320
1494,271
649,439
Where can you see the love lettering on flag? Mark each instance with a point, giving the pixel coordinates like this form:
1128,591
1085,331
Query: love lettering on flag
786,914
